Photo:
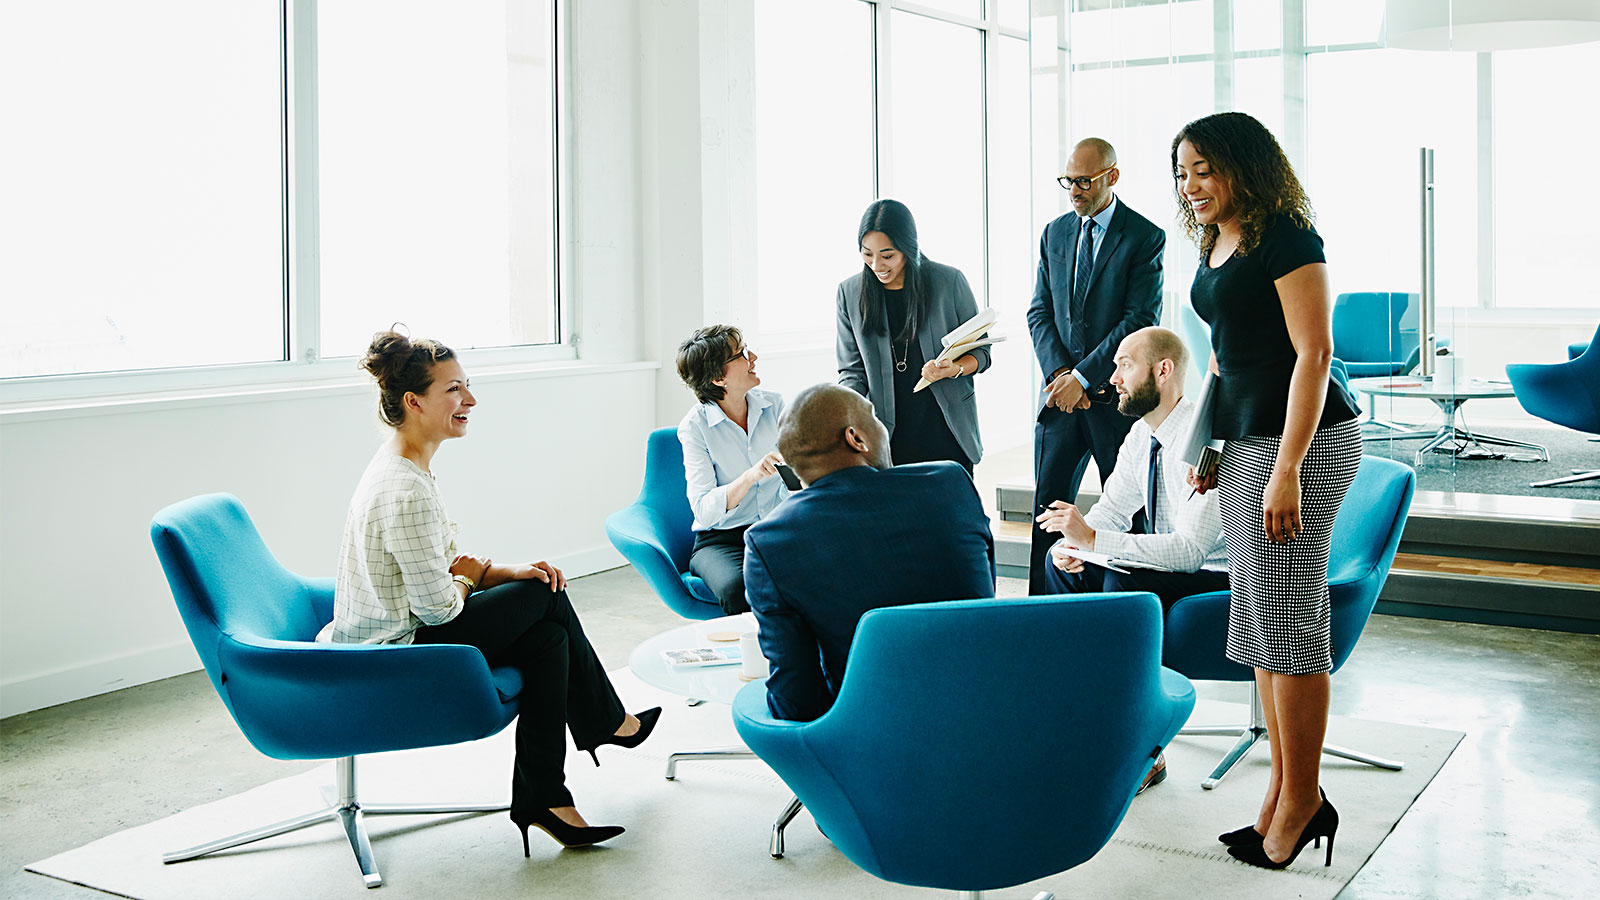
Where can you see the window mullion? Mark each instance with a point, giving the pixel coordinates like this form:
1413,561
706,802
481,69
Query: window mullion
304,240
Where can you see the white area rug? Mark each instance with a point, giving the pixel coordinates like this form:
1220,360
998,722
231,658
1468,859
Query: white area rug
705,835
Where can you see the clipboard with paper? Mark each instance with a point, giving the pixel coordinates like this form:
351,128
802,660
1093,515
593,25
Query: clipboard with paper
1199,448
971,334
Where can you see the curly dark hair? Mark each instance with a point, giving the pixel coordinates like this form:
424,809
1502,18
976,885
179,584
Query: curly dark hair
703,357
1242,150
401,365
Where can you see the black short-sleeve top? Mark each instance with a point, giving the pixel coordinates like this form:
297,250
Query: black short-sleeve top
1255,357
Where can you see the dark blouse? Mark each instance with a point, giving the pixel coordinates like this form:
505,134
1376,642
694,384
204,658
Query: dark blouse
920,431
1255,357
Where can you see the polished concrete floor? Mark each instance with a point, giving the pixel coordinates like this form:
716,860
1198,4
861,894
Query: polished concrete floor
1514,813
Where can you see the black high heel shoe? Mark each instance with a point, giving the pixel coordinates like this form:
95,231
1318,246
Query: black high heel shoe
1324,822
647,724
566,835
1241,837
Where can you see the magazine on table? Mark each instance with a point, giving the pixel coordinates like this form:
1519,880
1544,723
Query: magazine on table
696,657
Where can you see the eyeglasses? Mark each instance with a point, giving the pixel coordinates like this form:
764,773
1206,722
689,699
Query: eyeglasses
742,353
1082,181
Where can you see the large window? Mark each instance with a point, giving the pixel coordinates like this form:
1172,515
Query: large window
436,171
814,155
141,206
164,203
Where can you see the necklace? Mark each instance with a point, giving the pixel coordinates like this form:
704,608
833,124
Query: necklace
909,329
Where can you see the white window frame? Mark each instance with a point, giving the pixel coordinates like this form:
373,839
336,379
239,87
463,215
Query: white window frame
303,365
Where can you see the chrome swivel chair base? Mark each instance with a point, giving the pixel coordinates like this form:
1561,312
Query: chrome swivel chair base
1256,731
775,846
346,810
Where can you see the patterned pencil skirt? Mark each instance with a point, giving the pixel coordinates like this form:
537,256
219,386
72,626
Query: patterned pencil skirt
1278,618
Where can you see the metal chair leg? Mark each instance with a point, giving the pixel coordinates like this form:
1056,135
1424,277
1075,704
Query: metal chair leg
717,753
775,848
1256,731
348,811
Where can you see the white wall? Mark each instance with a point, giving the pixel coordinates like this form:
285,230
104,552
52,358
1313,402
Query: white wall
84,607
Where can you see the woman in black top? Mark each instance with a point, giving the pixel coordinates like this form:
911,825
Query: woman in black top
891,316
1292,449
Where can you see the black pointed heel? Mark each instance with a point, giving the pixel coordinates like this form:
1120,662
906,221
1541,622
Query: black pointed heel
647,724
569,836
1324,823
1241,837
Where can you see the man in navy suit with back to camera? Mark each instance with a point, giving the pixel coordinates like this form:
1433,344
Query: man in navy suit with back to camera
1099,280
860,535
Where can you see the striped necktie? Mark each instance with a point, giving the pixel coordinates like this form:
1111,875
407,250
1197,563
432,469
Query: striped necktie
1077,330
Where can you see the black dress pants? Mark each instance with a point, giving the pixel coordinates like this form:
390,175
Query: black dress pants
1062,446
1169,587
718,558
527,625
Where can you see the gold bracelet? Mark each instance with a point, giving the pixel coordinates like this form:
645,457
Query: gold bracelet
470,585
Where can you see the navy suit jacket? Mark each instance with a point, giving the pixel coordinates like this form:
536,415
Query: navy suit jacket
853,541
1124,292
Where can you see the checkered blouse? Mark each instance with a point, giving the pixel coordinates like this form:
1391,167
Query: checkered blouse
394,568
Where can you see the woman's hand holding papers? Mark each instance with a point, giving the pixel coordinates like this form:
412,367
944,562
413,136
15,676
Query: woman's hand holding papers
1200,485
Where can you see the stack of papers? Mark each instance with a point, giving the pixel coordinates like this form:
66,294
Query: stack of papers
968,335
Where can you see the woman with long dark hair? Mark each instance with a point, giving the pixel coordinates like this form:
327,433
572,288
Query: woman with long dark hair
402,581
1293,447
892,315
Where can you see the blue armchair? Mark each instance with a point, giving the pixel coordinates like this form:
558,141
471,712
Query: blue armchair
1564,393
253,623
1366,537
1375,333
655,532
1046,713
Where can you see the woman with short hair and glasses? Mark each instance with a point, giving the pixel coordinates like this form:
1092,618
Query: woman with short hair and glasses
1293,447
730,455
892,315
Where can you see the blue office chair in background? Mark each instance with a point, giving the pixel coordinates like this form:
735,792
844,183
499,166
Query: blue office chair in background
1044,714
656,532
1366,537
253,623
1375,333
1564,393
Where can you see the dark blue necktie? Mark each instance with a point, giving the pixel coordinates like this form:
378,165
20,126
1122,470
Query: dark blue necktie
1077,331
1151,485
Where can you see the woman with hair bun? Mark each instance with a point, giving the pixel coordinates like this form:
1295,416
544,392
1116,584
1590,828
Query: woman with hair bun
401,580
892,315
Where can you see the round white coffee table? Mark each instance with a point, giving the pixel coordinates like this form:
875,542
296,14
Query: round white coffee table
717,683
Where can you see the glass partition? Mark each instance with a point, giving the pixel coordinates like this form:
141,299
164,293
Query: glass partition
1513,279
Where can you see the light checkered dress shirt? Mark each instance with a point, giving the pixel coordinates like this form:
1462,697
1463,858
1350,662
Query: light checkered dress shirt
394,568
1188,527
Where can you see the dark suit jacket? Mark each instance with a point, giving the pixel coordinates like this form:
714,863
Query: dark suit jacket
1124,292
865,364
853,541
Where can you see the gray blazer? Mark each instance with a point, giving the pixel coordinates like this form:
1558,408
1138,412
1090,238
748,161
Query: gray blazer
865,363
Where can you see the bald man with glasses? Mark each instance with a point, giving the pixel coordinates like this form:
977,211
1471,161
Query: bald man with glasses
1099,280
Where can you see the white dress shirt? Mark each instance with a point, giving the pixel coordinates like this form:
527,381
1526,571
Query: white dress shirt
1101,221
394,567
1188,525
716,451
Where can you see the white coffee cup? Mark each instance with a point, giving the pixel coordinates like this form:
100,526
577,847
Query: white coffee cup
1446,369
752,664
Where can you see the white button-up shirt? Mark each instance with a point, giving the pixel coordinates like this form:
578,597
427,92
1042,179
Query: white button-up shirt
1188,525
716,451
